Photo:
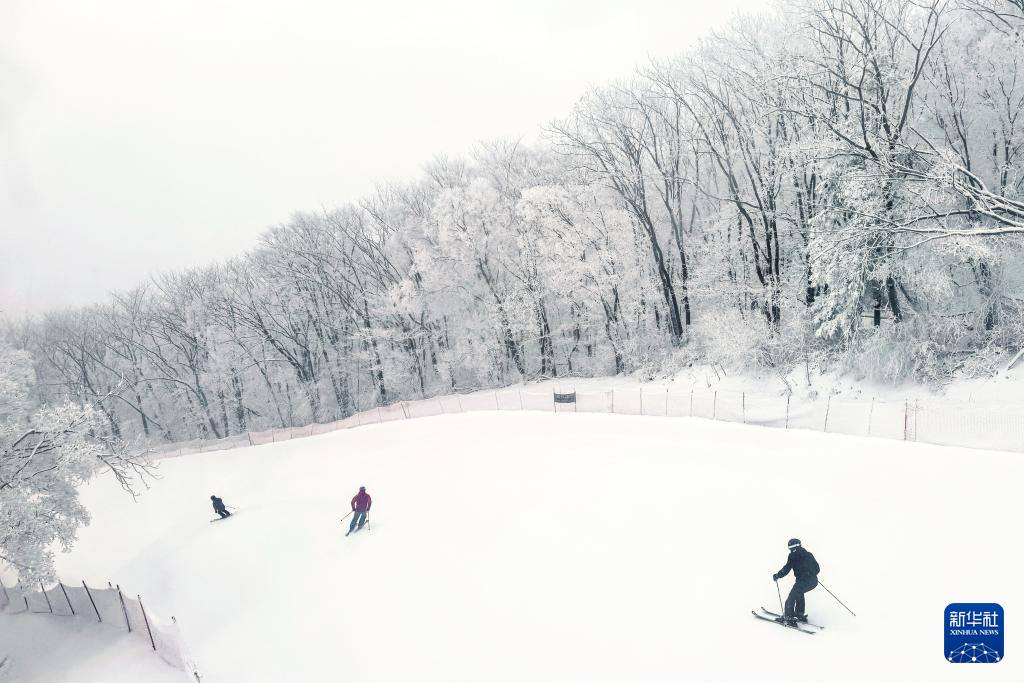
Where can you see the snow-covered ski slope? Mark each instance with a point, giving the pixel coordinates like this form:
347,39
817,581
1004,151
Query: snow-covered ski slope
511,547
50,649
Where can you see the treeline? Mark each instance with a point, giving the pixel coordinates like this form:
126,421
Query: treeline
760,200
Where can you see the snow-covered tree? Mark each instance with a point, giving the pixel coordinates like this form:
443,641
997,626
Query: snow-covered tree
46,453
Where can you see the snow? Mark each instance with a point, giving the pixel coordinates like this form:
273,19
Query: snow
519,546
46,649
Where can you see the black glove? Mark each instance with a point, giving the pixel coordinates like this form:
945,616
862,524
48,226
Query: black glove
775,577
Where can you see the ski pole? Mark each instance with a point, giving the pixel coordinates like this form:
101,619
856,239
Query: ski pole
777,590
836,599
368,527
347,516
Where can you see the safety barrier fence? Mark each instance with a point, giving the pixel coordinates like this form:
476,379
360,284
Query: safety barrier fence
973,425
107,605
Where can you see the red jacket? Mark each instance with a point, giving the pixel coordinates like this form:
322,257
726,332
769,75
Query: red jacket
362,502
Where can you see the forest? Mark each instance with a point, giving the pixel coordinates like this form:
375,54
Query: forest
832,185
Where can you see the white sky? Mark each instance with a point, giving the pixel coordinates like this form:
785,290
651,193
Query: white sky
142,136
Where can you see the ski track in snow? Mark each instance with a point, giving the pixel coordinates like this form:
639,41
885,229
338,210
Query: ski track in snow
509,547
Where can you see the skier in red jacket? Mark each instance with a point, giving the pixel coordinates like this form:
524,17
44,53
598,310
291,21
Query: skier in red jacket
360,506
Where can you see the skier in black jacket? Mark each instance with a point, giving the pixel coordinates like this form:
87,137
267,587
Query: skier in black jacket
219,508
805,570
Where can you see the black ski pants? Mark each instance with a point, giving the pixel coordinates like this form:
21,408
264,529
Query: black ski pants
795,602
223,513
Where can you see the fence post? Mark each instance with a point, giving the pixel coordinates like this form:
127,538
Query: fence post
95,609
496,400
714,405
459,397
520,399
613,399
787,410
691,401
871,412
743,408
248,435
124,609
146,620
666,401
828,405
70,606
46,596
554,405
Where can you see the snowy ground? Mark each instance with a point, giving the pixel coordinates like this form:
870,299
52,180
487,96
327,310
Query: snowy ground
43,648
542,547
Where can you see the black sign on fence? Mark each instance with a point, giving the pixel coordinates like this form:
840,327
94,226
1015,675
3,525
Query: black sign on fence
565,398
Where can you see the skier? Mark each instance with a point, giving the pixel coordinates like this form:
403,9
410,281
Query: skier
219,508
805,570
361,503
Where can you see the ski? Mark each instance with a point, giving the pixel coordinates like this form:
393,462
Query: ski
772,620
776,614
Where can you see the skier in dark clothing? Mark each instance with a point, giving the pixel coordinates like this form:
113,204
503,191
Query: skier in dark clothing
805,570
219,508
360,506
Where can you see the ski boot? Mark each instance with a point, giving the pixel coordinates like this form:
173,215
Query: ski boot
787,621
802,618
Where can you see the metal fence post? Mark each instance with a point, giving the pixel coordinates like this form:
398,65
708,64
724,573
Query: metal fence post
906,413
124,609
520,399
871,412
70,606
46,596
743,408
146,620
96,609
787,410
714,406
691,401
828,406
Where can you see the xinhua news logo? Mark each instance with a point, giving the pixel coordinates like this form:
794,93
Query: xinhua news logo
974,632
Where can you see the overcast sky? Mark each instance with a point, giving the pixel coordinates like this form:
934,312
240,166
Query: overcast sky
137,136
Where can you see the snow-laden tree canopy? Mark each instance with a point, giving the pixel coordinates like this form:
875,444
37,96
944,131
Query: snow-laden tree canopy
760,200
46,452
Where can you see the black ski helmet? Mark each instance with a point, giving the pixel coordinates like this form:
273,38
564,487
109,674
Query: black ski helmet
362,489
212,497
793,543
